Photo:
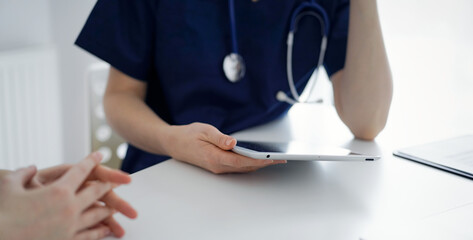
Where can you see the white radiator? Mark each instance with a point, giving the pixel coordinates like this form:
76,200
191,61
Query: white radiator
30,110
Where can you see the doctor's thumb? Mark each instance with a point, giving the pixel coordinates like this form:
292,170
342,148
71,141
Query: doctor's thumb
226,142
220,140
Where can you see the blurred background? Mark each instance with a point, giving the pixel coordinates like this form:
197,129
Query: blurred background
50,90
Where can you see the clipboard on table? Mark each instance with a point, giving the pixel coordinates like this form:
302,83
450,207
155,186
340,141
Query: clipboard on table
453,155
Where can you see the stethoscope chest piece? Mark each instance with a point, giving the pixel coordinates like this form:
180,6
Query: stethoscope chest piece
234,67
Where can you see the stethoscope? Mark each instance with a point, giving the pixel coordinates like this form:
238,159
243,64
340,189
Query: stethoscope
234,64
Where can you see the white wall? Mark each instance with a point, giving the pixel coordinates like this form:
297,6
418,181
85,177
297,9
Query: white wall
56,23
68,18
429,44
24,23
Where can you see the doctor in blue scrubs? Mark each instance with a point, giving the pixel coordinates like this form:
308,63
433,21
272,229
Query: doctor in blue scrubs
186,73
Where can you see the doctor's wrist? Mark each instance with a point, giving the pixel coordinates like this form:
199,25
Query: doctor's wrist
168,138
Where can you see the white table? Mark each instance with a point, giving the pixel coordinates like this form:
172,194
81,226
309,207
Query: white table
430,53
305,200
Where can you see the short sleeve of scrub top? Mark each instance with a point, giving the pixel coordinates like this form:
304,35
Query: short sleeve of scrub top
177,48
337,47
121,33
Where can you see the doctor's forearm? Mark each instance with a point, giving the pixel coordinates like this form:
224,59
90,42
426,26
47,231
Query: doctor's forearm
135,122
363,92
129,115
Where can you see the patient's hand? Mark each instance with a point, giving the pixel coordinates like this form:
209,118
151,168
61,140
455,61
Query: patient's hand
64,202
101,173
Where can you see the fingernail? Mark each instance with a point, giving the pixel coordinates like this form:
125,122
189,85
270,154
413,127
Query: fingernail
106,232
97,156
229,141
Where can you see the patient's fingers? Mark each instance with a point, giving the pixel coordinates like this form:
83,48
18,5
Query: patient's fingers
114,201
92,192
95,233
114,226
93,216
78,173
106,174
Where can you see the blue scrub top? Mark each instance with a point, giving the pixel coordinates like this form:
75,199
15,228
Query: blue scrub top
178,47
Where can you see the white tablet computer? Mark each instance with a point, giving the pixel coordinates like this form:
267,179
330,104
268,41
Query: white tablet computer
298,151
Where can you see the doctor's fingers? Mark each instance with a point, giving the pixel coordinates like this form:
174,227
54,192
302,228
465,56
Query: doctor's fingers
92,192
228,169
254,168
78,173
93,216
231,159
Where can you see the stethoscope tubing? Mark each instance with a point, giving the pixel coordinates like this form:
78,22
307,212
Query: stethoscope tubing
310,5
309,8
231,6
297,16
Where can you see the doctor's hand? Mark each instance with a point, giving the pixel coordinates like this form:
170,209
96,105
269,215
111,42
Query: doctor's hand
205,146
64,209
